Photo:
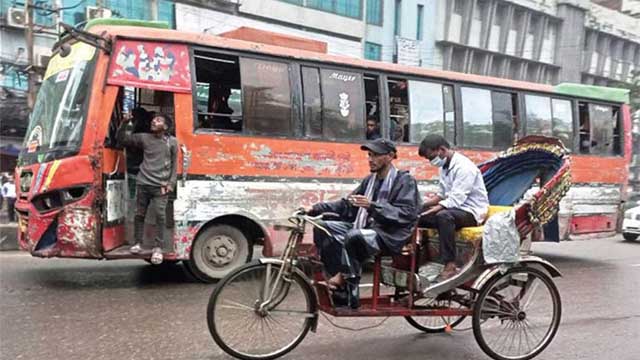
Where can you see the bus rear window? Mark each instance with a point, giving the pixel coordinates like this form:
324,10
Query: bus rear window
599,129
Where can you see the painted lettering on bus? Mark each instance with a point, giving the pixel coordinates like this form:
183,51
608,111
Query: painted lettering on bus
342,77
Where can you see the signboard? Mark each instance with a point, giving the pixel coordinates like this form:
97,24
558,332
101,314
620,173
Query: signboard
150,65
408,51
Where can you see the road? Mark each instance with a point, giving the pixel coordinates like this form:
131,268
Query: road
83,309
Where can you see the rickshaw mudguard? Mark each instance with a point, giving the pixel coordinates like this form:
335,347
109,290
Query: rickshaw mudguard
524,260
308,288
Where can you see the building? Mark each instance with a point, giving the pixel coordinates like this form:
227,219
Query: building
14,63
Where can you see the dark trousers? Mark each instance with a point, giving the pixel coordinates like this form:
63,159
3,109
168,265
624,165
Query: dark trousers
146,195
11,213
346,248
447,221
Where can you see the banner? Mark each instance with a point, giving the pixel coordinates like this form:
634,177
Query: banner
150,65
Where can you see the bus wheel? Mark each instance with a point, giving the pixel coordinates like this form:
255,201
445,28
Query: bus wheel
218,250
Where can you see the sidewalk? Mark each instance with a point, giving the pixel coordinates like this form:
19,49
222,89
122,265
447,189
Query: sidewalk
8,232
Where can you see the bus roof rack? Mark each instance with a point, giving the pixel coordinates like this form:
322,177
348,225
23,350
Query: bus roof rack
126,22
595,92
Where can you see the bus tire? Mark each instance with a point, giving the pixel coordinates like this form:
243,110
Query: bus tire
216,251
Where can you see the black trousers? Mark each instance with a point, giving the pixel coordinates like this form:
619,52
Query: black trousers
150,195
346,248
447,221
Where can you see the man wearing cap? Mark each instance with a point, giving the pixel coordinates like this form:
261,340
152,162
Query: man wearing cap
378,216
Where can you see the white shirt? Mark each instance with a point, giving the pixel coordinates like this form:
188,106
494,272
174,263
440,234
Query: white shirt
9,190
462,187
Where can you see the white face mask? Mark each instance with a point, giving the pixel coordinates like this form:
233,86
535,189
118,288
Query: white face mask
437,161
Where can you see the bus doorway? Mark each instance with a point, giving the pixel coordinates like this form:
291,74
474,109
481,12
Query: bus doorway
120,186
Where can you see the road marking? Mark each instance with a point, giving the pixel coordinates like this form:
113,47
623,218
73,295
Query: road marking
635,265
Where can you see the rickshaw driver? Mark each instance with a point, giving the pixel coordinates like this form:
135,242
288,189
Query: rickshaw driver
461,202
378,217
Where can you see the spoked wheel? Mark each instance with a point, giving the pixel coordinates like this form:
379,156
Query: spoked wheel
436,324
245,328
517,314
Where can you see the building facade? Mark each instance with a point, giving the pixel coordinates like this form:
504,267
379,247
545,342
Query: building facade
14,63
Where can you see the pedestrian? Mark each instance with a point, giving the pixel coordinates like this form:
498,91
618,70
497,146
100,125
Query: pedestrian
462,200
155,179
9,195
378,217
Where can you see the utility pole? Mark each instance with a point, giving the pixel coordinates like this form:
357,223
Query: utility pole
31,91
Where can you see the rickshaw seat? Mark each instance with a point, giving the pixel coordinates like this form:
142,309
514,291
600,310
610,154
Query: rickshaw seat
473,234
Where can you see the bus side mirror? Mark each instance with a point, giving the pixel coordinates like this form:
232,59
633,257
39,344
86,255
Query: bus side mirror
65,50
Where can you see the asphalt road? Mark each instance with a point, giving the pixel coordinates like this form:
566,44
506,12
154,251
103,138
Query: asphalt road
82,309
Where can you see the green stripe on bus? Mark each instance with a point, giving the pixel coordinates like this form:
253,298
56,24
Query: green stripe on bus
594,92
127,22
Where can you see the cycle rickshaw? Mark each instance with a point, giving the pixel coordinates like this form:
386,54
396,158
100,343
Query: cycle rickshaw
265,309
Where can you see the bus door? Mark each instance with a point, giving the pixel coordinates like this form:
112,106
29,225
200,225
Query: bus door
147,75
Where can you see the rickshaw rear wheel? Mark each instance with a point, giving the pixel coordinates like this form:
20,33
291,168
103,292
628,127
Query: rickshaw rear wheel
435,324
510,311
243,329
216,251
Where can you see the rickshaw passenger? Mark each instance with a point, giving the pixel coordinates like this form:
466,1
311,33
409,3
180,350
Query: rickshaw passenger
378,217
462,200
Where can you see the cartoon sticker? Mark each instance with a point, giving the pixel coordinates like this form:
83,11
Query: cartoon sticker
151,65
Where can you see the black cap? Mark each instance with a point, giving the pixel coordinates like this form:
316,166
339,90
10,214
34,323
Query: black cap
379,146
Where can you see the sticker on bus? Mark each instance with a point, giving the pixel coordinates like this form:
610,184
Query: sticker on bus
150,65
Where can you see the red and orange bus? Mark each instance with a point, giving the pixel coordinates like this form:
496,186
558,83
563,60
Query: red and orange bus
263,129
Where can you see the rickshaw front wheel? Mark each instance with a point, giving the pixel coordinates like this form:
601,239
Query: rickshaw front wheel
517,314
244,327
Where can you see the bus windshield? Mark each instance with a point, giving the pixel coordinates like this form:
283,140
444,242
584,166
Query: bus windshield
58,117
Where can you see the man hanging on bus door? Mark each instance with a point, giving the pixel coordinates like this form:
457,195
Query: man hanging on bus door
461,202
155,179
378,217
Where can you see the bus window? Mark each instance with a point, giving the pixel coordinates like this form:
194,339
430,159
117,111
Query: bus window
599,129
342,99
427,110
585,128
312,102
477,115
372,107
503,119
603,124
399,110
218,93
267,97
538,115
563,121
449,115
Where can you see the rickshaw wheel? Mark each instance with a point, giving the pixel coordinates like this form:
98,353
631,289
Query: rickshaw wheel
435,324
517,314
243,330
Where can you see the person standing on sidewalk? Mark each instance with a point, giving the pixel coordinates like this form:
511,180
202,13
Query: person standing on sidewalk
9,195
155,179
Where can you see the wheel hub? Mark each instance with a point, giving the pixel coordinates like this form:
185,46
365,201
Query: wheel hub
220,250
521,316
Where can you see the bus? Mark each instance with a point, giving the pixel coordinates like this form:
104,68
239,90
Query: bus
264,129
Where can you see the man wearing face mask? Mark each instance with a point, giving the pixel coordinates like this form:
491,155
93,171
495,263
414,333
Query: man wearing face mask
461,201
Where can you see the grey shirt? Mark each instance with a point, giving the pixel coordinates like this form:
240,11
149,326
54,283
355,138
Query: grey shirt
158,166
462,187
